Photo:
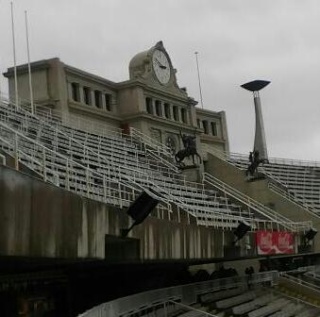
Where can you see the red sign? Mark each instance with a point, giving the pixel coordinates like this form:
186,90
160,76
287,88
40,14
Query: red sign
275,242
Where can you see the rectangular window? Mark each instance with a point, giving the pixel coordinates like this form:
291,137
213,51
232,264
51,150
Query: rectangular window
175,113
149,105
87,95
75,90
205,126
167,110
98,99
158,108
183,115
214,128
107,99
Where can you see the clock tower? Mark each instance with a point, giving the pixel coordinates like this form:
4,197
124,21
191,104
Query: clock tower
154,67
152,102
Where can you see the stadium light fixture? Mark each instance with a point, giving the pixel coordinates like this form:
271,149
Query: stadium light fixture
241,231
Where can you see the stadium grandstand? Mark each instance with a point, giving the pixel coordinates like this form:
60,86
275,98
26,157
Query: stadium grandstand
123,199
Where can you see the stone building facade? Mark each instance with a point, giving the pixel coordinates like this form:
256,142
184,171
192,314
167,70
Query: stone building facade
150,101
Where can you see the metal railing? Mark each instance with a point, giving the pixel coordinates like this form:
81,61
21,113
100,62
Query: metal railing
299,281
292,198
157,146
295,182
55,168
266,212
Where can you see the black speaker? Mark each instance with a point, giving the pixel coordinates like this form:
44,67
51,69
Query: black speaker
141,207
310,234
241,230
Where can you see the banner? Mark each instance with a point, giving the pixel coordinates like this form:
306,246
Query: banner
274,242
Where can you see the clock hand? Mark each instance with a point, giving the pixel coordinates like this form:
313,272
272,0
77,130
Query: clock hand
160,64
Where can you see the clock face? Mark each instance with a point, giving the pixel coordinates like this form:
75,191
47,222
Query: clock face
161,66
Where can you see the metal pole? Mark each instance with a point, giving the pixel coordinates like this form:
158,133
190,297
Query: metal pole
29,66
196,53
260,138
14,58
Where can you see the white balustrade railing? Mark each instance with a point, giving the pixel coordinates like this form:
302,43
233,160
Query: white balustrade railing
61,171
252,204
151,142
292,198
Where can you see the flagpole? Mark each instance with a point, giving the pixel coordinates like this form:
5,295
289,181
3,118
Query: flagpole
29,66
14,59
196,53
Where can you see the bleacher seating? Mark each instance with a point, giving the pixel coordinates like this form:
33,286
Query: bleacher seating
297,179
112,169
225,297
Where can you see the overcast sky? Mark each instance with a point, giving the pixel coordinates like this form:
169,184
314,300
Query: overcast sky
238,41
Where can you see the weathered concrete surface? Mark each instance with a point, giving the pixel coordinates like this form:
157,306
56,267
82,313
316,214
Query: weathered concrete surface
42,220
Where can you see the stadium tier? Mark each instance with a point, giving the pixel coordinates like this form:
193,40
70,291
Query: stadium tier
115,169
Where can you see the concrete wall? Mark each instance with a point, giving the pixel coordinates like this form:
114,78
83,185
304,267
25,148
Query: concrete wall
259,191
41,220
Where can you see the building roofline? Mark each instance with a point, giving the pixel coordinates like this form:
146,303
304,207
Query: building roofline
41,64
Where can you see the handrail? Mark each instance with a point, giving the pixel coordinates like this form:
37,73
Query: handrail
299,281
190,308
287,195
164,161
255,205
69,163
233,156
154,144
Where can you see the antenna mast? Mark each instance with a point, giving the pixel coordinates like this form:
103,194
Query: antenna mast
14,59
201,101
29,66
